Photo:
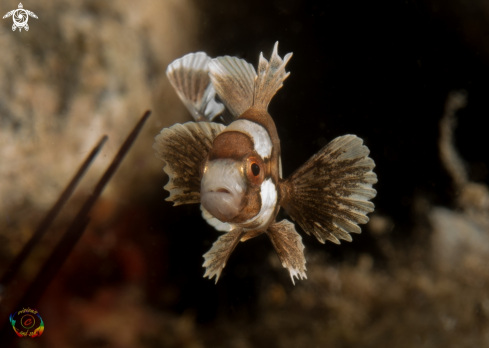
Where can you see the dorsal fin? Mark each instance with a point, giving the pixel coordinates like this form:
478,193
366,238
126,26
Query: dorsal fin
189,76
234,81
238,85
270,78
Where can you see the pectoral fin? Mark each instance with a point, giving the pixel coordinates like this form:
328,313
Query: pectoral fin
183,147
289,247
329,195
218,255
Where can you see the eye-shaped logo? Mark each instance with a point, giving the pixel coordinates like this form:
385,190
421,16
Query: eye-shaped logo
27,323
21,17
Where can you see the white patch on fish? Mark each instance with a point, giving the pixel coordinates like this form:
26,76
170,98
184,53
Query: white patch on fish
257,133
268,193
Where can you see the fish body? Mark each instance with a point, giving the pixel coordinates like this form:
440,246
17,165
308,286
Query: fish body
235,172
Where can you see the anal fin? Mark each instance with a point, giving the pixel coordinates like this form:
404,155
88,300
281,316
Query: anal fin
218,255
289,247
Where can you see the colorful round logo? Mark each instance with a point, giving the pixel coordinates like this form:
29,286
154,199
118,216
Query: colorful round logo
27,323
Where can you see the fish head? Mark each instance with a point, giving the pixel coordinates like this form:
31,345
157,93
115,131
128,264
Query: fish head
232,175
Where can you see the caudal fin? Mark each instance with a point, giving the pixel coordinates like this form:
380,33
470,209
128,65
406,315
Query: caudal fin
189,76
329,195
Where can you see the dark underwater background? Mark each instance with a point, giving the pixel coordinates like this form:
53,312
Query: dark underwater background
387,71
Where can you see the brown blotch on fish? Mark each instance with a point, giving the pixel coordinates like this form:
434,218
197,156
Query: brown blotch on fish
234,145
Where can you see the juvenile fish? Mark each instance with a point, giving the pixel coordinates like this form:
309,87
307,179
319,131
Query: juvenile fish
235,172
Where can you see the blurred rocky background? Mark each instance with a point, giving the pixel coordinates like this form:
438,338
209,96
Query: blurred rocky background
409,77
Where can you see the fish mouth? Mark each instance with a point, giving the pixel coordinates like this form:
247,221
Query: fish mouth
222,189
222,206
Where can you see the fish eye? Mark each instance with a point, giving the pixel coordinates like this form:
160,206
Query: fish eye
255,169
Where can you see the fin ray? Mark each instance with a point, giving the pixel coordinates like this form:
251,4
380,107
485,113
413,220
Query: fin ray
183,147
233,79
289,247
238,85
189,76
329,195
270,78
215,259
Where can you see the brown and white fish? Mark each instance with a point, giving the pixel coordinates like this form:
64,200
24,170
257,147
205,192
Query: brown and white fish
235,172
